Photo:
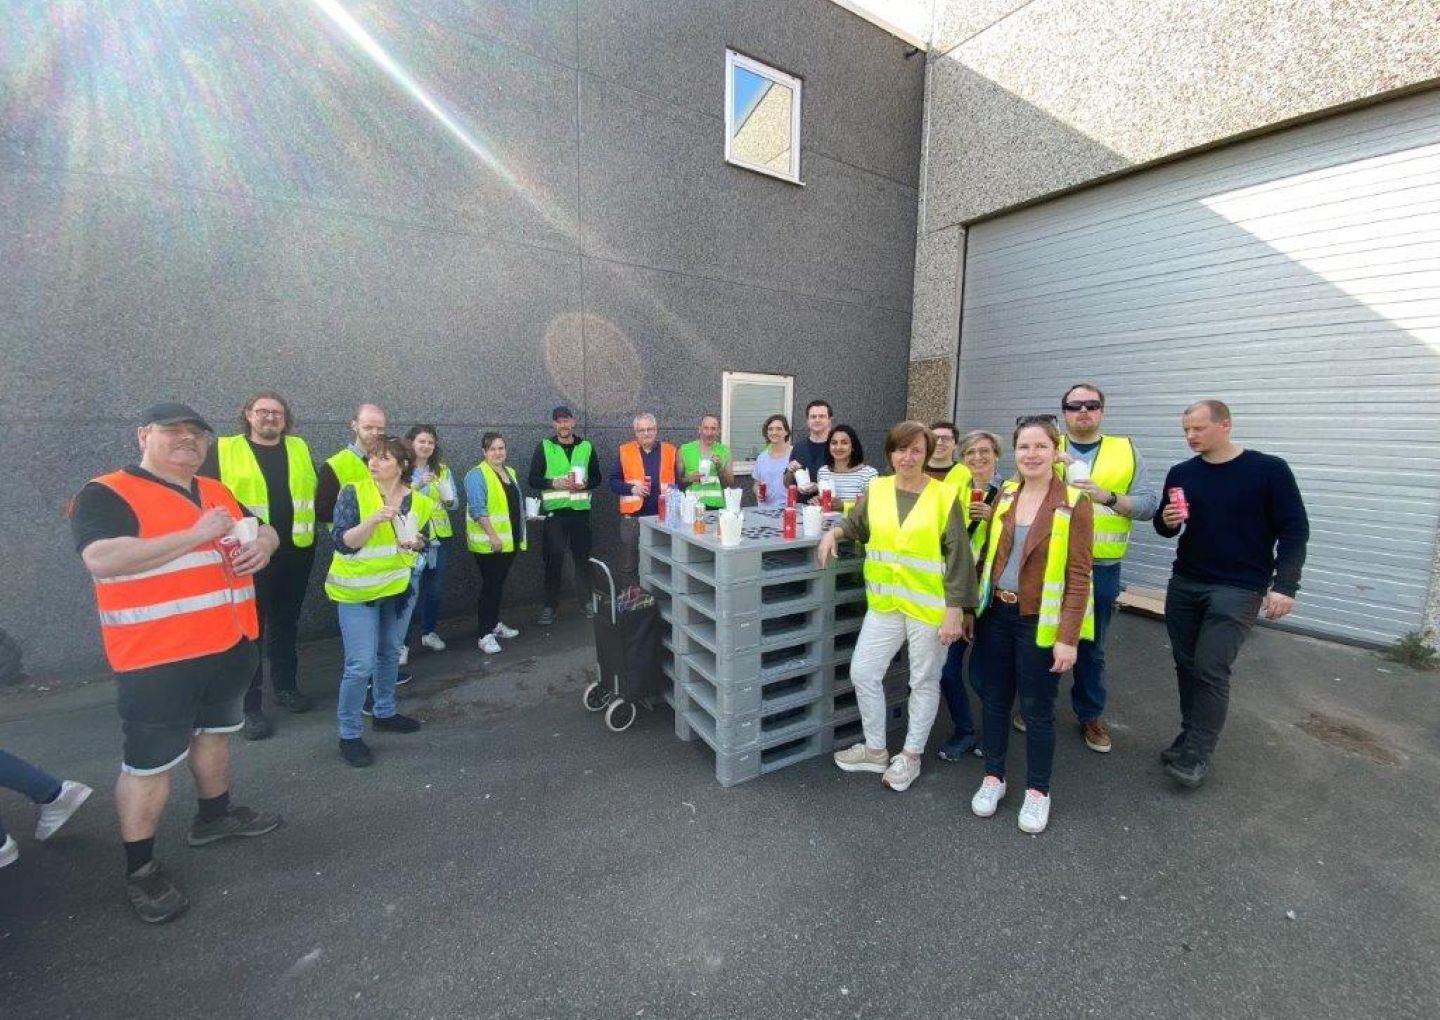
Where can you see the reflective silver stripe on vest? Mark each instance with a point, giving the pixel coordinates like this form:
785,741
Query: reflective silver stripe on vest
375,552
258,509
913,562
302,529
1111,536
189,561
369,580
908,594
175,607
304,504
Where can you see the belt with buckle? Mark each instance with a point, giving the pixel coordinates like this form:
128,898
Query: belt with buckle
1007,597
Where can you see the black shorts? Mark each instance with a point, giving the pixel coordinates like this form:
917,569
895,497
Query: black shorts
162,707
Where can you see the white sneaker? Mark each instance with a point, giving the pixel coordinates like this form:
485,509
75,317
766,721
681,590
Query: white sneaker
59,810
432,641
988,797
503,631
903,771
404,655
489,645
859,758
9,852
1035,812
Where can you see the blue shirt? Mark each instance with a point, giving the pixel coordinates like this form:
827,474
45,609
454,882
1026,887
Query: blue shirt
347,515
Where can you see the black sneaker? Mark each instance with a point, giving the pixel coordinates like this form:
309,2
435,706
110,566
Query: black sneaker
396,723
1172,753
402,679
238,821
154,895
1188,770
355,752
256,727
293,701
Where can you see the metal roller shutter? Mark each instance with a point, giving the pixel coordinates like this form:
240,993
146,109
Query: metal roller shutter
1294,276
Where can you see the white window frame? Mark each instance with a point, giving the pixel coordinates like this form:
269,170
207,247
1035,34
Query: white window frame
734,60
727,389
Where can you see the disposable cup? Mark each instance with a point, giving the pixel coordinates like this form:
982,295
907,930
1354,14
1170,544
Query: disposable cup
245,530
532,506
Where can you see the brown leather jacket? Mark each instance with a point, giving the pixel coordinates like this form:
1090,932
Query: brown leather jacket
1037,548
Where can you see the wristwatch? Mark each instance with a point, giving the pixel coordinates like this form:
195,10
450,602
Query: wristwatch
1114,498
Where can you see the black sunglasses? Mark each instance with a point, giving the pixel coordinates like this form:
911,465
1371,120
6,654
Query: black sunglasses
1083,405
1034,419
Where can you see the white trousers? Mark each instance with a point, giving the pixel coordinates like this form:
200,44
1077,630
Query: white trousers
881,636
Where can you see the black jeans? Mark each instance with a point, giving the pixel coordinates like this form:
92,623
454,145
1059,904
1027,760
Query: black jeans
566,531
1005,661
279,594
1207,624
493,569
629,571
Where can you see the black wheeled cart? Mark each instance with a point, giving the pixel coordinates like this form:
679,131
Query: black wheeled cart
627,649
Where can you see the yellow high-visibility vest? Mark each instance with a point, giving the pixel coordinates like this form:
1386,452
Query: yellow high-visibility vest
477,540
240,471
904,567
1053,595
1114,469
380,567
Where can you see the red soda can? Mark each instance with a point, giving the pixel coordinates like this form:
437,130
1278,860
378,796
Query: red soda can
762,491
1177,499
792,494
660,507
977,495
787,520
825,498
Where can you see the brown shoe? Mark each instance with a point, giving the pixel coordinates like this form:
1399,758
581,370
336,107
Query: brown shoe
1097,735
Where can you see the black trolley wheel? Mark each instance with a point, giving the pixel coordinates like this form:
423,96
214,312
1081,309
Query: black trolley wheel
619,715
594,697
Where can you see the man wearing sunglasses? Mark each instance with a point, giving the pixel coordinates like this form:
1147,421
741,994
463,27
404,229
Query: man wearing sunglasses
1114,475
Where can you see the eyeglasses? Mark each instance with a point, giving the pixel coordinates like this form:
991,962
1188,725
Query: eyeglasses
1034,419
262,412
1083,405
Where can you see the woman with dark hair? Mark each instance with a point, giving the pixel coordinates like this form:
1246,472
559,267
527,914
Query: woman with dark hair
919,592
431,476
1035,607
845,473
770,465
494,531
378,530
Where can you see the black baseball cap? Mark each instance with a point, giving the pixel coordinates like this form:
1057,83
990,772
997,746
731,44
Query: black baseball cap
173,414
562,412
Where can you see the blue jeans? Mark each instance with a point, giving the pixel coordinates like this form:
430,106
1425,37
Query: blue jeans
952,685
19,775
431,585
372,633
1087,693
1007,661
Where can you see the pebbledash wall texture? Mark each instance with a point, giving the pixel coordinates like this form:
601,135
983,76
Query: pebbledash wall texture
466,212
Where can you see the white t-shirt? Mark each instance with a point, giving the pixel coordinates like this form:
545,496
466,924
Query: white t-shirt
847,485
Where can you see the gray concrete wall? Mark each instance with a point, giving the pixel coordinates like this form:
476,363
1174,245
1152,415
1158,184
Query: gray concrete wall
1028,99
198,199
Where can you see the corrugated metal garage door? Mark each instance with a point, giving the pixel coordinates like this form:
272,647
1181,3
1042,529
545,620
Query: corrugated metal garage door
1297,278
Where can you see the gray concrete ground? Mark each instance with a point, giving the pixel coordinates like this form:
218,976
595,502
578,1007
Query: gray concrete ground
515,859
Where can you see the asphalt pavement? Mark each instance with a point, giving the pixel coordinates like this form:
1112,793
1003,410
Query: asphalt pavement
516,859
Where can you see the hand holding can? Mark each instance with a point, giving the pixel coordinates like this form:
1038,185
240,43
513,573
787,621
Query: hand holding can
1177,500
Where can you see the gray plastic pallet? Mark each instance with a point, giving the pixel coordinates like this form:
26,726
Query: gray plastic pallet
756,663
734,767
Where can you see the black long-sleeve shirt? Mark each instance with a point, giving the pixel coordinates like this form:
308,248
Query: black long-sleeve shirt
1247,526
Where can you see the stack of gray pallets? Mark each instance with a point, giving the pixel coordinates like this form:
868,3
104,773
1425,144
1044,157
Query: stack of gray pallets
759,643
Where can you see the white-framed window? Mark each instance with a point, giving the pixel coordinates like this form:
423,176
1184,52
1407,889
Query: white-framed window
747,399
762,118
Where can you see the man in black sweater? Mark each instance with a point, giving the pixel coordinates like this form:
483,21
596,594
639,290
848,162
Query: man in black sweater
1243,530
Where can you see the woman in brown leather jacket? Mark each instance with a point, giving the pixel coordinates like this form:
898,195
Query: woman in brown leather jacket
1035,606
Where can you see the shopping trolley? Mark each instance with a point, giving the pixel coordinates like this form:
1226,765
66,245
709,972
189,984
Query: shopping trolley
627,650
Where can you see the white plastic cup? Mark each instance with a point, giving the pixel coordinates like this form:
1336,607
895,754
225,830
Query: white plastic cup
731,527
447,488
1077,471
405,530
706,466
532,507
245,530
578,473
813,521
733,498
802,478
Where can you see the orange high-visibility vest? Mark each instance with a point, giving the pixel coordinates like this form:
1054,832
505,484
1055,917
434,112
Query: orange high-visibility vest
632,467
189,607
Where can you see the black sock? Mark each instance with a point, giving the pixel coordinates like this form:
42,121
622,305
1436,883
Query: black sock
138,853
214,808
51,799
